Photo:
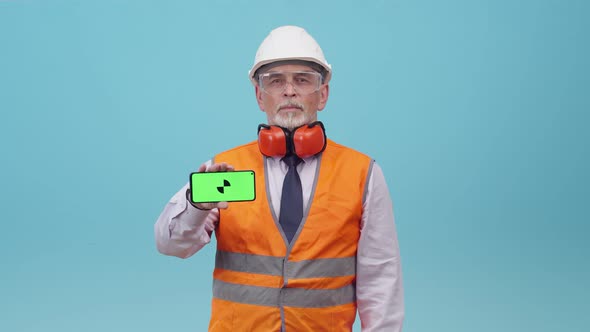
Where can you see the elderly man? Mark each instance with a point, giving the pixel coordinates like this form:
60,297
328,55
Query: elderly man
319,240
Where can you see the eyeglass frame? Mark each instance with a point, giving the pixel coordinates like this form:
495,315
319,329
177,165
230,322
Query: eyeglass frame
315,73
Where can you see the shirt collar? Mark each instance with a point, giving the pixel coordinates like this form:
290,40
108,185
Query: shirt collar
305,160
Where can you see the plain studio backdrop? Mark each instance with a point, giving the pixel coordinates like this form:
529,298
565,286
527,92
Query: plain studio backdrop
477,112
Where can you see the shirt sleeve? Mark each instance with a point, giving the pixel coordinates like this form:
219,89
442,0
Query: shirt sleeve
379,290
181,229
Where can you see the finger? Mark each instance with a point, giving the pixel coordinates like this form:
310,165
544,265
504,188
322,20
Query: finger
219,167
202,168
213,168
222,205
206,206
225,167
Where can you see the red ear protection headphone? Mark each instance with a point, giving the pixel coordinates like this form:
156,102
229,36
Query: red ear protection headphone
305,141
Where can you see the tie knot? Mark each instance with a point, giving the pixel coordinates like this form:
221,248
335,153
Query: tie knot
291,160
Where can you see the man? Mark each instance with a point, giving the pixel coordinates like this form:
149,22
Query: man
319,240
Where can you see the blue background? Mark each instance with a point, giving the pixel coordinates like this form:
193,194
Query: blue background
477,112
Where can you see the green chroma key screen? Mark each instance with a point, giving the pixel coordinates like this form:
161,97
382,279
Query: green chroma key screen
233,186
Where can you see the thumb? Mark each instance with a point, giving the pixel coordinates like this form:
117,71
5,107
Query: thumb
222,205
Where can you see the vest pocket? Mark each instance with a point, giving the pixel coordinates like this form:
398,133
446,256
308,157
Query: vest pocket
222,313
328,319
227,316
342,318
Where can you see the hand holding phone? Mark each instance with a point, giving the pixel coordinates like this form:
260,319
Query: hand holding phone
218,184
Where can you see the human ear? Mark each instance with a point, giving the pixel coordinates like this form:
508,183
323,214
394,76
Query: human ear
258,93
324,93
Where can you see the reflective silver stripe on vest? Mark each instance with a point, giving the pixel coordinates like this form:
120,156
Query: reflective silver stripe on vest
270,265
290,297
322,267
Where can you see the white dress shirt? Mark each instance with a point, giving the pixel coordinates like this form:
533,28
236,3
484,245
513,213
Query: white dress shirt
182,230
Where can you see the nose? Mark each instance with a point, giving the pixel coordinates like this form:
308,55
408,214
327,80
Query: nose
289,90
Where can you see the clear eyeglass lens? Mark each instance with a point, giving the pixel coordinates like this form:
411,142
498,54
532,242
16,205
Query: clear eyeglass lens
304,82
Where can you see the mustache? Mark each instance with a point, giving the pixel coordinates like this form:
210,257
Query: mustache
289,103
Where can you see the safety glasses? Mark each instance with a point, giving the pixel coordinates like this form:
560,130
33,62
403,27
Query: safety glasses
304,82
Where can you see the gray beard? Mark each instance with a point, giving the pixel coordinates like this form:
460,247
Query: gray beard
291,121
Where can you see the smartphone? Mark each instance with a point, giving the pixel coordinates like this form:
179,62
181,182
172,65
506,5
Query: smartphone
210,187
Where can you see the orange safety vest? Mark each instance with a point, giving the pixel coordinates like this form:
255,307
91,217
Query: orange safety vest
263,283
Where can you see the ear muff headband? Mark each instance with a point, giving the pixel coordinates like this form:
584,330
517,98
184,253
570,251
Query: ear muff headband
305,141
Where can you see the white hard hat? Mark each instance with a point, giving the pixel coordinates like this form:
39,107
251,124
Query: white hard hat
289,43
